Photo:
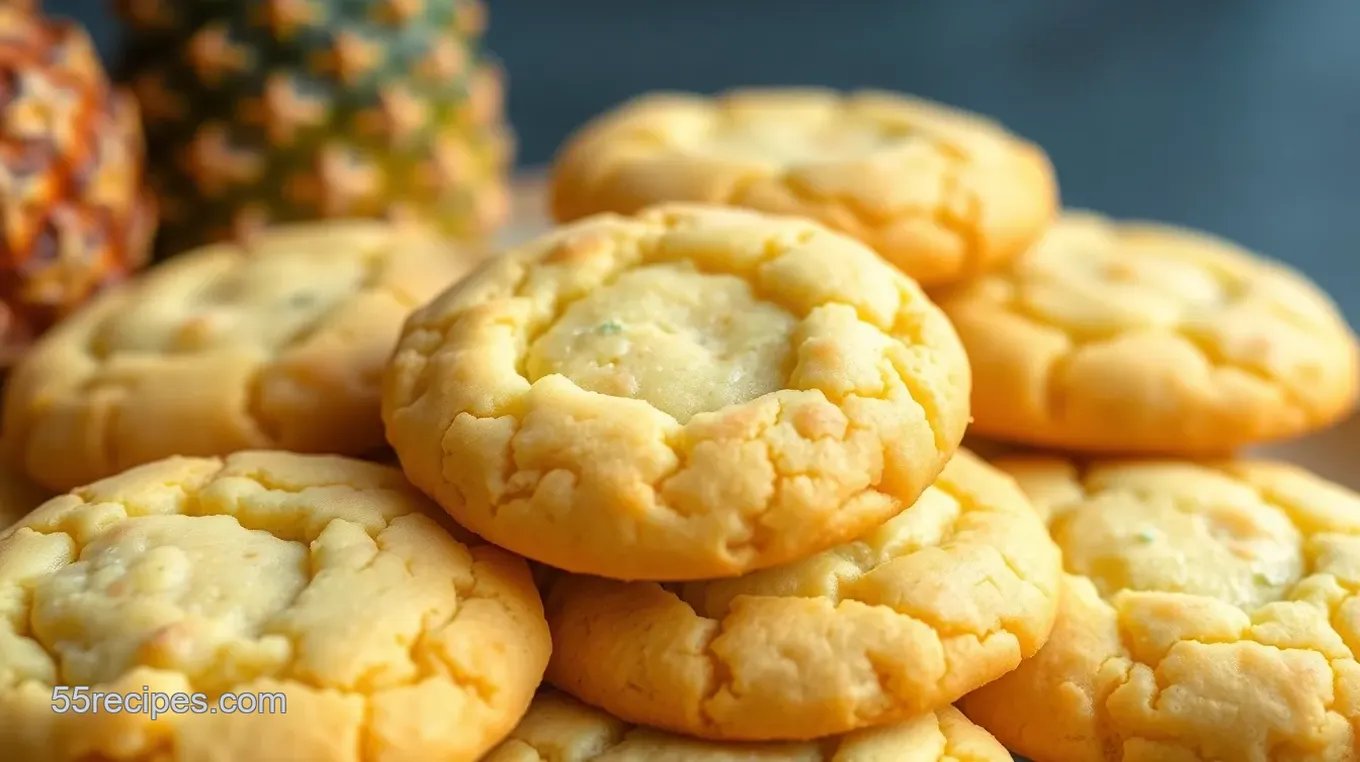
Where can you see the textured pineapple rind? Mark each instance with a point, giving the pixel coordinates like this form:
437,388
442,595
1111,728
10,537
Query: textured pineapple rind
73,159
449,168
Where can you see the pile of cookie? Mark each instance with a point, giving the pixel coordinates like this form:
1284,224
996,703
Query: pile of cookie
685,478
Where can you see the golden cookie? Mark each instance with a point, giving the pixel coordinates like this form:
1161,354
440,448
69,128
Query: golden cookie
693,392
1141,338
316,587
278,345
946,596
560,729
941,193
1209,615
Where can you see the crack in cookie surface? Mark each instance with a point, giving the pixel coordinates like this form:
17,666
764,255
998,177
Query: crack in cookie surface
282,344
940,193
323,579
1209,613
560,402
1128,337
947,595
560,729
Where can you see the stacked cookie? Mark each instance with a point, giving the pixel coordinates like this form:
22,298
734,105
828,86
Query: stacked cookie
683,478
1207,607
732,440
728,440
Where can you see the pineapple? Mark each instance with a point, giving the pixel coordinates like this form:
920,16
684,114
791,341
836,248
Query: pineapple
268,111
73,216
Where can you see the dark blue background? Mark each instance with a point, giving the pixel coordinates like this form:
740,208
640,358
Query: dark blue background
1238,116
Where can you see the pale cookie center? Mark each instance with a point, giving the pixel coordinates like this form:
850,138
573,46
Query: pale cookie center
265,303
1243,554
191,595
1108,291
789,141
684,341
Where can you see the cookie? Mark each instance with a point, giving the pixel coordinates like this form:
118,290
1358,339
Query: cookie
941,193
948,595
279,344
693,392
1145,339
319,588
1209,613
561,729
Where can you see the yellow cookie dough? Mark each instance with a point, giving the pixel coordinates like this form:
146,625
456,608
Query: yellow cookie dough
1145,339
277,345
1209,614
560,729
946,596
321,582
941,193
693,392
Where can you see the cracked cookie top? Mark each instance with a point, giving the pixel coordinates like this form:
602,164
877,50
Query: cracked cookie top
944,597
277,344
693,392
323,580
1209,612
1141,338
941,193
560,729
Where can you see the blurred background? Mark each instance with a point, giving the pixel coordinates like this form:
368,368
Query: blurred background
1241,117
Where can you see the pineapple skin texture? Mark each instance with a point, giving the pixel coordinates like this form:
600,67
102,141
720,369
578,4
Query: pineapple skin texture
74,217
261,112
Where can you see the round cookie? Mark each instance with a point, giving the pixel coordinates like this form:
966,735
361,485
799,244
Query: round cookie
1209,613
560,729
279,344
321,586
1146,339
693,392
941,193
945,597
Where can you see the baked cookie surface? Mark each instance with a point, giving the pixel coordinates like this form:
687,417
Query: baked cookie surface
317,585
560,729
280,344
1208,613
946,596
1140,338
690,393
941,193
